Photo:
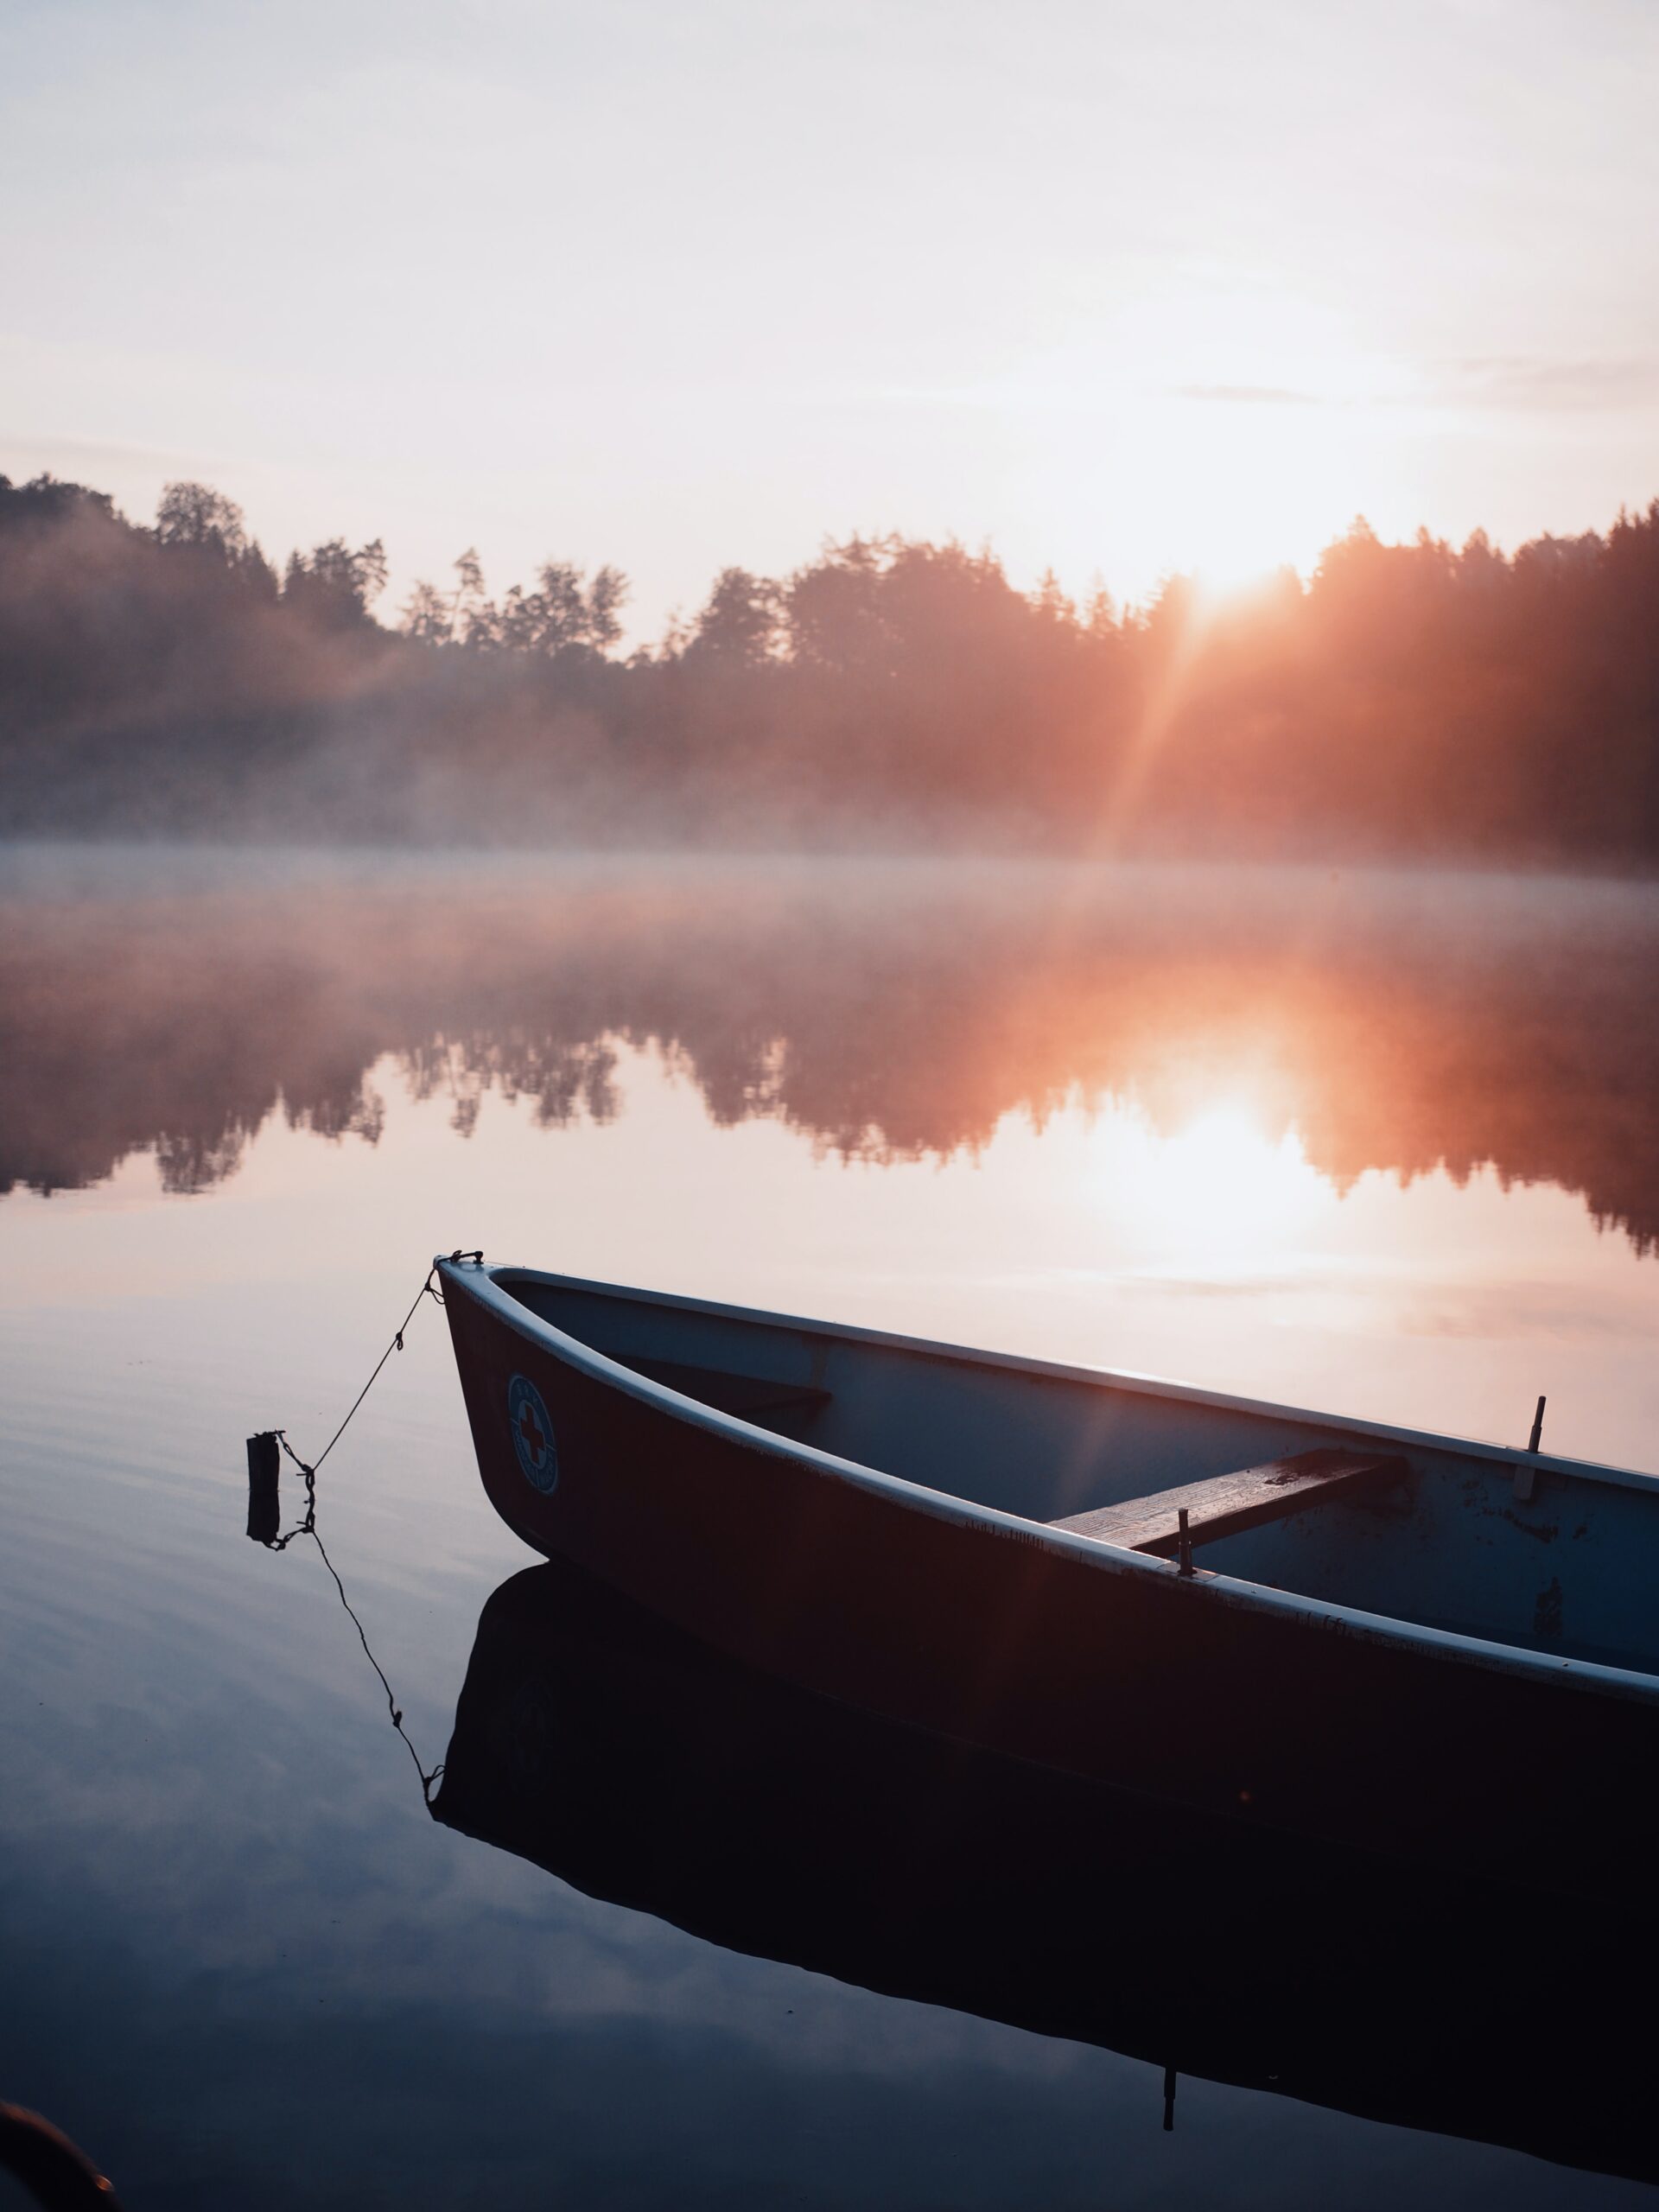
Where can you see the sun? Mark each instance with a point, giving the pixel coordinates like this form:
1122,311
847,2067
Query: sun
1214,430
1245,485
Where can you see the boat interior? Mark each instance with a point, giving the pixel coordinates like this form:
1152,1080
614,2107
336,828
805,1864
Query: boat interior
1535,1554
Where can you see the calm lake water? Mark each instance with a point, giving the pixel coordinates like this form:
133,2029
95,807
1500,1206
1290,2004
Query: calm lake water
1388,1144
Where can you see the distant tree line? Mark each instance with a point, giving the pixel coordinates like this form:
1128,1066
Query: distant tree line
1414,698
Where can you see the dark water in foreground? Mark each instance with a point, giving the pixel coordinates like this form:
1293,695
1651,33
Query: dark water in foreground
1387,1145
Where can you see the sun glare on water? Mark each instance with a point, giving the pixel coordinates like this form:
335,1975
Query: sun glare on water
1216,1194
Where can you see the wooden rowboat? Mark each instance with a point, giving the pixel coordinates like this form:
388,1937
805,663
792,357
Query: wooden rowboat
1334,1630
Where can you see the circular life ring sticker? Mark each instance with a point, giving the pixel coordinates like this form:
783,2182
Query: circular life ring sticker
532,1435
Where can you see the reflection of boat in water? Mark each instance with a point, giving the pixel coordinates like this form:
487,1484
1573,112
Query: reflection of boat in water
632,1762
1445,1650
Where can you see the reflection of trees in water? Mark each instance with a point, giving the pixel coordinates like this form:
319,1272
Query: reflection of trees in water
568,1083
1402,1024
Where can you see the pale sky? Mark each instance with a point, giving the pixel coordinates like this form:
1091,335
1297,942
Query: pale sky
1123,287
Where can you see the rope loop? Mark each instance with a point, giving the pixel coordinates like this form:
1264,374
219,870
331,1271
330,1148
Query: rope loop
306,1525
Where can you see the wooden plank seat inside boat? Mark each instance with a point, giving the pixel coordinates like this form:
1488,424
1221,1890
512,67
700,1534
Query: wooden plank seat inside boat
1227,1503
750,1397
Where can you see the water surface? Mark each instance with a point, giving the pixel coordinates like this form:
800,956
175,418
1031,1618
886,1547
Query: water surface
1383,1144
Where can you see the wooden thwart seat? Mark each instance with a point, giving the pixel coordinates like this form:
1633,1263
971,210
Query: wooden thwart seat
1226,1503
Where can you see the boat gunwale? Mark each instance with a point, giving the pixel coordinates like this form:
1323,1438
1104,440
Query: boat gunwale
480,1280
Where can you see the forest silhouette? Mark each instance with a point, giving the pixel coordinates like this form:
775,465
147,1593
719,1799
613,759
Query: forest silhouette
1408,699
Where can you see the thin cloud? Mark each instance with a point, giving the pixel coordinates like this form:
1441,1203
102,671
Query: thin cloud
1522,381
1265,395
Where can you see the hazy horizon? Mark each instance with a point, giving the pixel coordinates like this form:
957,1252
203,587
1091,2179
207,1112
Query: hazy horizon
1124,293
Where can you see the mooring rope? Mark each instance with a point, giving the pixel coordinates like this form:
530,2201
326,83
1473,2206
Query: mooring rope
306,1525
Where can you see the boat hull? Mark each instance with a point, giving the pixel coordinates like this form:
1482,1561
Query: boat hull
1003,1636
